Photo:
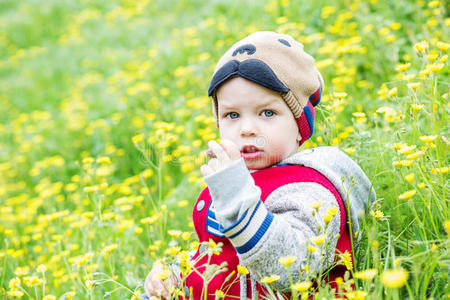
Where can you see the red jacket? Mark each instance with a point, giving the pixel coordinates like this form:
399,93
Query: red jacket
267,180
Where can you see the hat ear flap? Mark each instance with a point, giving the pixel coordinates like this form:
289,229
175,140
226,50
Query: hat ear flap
306,122
315,98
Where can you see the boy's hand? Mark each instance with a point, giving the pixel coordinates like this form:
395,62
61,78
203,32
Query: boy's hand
225,154
155,287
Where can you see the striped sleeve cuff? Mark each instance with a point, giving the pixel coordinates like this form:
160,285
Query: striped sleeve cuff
250,228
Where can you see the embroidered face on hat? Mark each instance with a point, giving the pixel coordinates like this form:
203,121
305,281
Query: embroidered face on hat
279,63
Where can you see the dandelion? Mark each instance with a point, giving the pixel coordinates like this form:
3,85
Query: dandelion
393,92
16,294
315,205
366,274
311,248
394,278
444,58
185,236
442,170
415,155
331,212
356,295
347,259
359,114
270,279
403,67
436,67
413,85
90,189
339,95
407,149
428,138
287,260
443,46
407,195
109,249
410,177
417,107
219,294
89,284
242,270
318,240
301,286
421,46
421,185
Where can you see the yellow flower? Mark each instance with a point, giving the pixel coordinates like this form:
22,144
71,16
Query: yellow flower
331,212
110,248
242,270
339,95
428,138
356,295
417,107
406,149
447,226
393,92
14,283
347,259
17,294
421,46
90,189
444,58
407,195
301,286
415,155
21,271
315,204
173,250
49,297
410,177
436,67
287,260
318,240
394,278
359,115
403,67
442,170
413,85
41,268
270,279
311,248
443,46
366,274
220,294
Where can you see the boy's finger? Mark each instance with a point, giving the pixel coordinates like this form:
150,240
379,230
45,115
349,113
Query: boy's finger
218,151
206,170
231,148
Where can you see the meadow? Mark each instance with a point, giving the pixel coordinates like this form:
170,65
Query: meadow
104,118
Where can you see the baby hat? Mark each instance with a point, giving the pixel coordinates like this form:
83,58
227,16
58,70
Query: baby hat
279,63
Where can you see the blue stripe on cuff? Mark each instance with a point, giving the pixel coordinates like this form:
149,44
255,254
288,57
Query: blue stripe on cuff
258,235
251,217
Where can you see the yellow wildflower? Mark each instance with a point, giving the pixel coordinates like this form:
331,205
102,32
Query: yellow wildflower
242,270
407,149
270,279
366,274
415,155
220,294
356,295
421,46
394,278
428,138
407,195
90,189
315,204
410,177
444,58
413,85
417,107
301,286
339,95
442,170
346,259
443,46
403,67
16,294
318,240
110,248
311,248
393,92
287,260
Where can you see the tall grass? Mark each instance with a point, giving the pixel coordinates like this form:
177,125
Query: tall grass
104,115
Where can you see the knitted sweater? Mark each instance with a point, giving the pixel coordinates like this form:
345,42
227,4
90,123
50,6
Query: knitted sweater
264,215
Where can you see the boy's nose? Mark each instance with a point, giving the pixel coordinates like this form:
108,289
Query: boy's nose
248,129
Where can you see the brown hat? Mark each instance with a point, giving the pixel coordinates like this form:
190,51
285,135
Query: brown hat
279,63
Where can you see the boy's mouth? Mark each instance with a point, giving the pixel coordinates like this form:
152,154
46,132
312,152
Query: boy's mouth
250,152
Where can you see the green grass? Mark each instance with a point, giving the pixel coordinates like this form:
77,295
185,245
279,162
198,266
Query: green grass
127,80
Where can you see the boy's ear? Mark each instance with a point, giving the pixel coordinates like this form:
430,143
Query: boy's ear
299,138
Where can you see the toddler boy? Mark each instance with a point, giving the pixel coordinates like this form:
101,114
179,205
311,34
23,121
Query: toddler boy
266,200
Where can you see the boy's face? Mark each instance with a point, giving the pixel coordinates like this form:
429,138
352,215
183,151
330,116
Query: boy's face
258,121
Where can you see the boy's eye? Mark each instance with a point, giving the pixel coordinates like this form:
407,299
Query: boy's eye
233,115
268,113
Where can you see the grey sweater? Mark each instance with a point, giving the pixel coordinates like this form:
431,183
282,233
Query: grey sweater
239,209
